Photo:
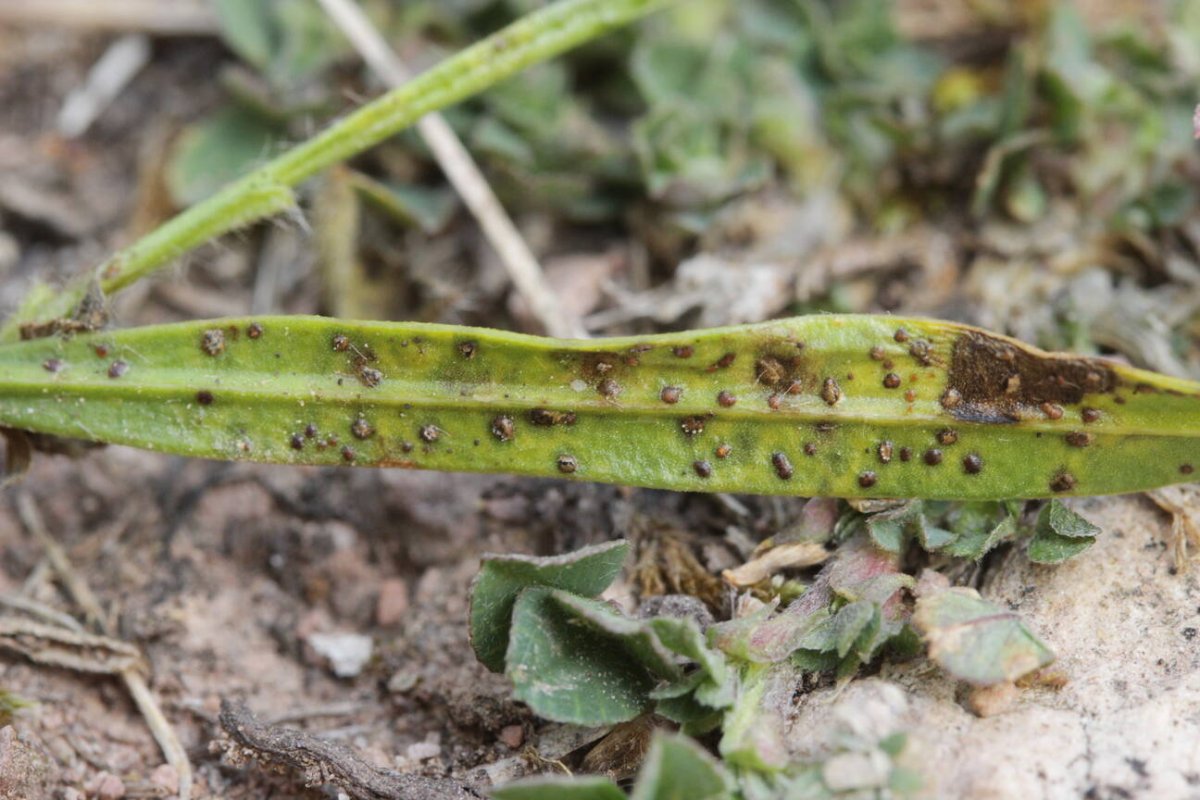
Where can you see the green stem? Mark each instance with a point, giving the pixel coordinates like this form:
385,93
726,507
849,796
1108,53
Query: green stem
267,191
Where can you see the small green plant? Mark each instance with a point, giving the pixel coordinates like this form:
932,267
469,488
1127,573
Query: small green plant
574,658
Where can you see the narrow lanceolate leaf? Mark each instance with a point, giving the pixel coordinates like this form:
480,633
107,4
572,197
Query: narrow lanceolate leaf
850,406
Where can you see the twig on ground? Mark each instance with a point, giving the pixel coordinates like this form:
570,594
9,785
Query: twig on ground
42,611
57,647
76,587
463,174
1179,502
133,679
177,18
111,73
318,761
343,709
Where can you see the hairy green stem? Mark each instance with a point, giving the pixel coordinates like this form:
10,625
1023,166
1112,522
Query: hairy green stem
268,190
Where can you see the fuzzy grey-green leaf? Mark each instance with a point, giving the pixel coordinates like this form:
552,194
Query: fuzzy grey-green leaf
502,578
974,640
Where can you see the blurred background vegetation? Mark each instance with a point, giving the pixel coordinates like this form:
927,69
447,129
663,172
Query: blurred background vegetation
1028,166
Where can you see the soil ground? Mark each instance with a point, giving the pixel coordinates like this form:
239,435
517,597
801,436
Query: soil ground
224,576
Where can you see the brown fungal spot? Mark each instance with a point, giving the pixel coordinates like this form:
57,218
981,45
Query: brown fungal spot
906,454
118,368
933,456
810,449
774,401
430,433
723,451
546,417
951,399
972,464
683,351
769,371
1090,415
670,394
867,479
212,341
876,353
467,349
348,453
725,361
369,376
831,393
204,397
341,342
297,441
891,381
1063,482
910,396
947,436
693,426
502,427
361,428
998,380
922,351
1186,469
310,430
609,388
1078,438
567,464
825,427
885,450
702,468
725,399
900,335
254,330
783,467
53,365
1052,410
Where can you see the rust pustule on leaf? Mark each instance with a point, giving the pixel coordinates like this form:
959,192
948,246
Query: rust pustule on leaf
831,392
502,427
783,466
212,341
997,380
546,417
780,370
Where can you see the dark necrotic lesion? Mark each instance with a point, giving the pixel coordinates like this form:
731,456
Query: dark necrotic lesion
996,380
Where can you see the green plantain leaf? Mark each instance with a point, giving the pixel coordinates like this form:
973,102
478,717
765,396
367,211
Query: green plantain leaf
801,406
